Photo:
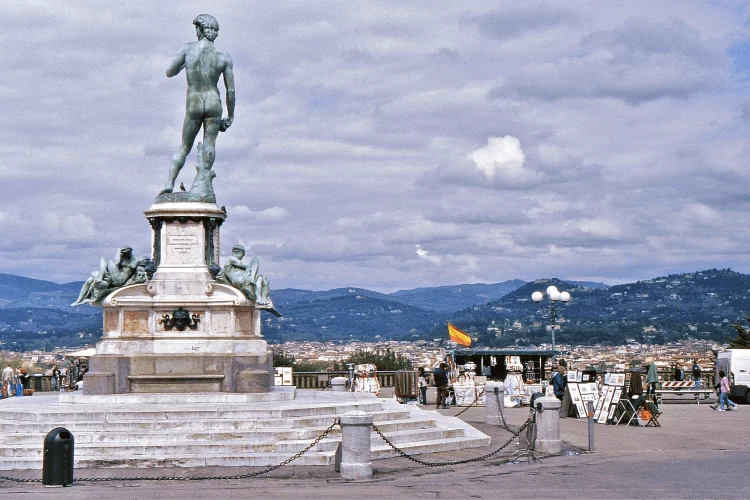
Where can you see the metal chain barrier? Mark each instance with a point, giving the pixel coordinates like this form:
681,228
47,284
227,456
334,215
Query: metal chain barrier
500,408
476,402
193,478
454,462
17,480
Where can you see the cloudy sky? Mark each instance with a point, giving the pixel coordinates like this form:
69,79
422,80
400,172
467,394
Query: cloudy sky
390,144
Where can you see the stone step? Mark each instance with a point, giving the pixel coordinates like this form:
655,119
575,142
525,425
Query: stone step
159,448
277,394
245,459
409,436
383,450
151,432
207,425
157,413
239,460
127,433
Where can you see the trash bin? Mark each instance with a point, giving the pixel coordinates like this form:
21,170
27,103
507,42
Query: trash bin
36,382
57,465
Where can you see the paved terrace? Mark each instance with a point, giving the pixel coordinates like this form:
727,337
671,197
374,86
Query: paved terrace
697,453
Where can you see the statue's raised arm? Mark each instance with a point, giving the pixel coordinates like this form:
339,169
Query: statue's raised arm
204,64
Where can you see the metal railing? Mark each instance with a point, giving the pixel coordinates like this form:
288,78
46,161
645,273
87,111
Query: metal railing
322,380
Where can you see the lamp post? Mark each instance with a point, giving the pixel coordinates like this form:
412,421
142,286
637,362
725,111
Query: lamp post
553,312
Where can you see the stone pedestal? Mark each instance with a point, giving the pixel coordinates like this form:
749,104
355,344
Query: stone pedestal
356,460
338,384
181,331
548,426
494,393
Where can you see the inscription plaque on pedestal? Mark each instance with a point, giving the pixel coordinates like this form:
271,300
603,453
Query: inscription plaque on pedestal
183,244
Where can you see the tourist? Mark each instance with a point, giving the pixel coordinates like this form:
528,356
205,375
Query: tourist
440,375
559,382
75,366
83,368
7,378
652,377
55,377
724,395
679,375
422,384
23,378
696,374
635,388
63,377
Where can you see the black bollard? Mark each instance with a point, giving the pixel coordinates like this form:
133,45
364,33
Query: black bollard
57,465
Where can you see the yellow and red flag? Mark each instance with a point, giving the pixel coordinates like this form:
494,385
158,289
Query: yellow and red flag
458,336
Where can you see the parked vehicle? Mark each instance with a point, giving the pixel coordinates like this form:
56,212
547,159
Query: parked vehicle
736,364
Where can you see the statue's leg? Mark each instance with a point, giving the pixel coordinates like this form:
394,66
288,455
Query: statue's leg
211,127
103,268
261,289
190,129
252,269
264,288
249,291
85,289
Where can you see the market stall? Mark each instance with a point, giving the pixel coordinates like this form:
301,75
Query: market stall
521,370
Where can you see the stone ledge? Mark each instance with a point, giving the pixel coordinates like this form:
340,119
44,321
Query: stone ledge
174,376
175,383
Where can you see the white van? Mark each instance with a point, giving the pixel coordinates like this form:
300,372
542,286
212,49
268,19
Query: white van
736,364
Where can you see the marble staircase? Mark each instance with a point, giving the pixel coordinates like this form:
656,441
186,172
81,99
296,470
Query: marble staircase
197,430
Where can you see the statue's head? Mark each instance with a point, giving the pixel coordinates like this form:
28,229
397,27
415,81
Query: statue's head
206,26
239,249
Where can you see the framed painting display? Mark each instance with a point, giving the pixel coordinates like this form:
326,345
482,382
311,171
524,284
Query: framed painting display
575,396
588,393
605,406
599,403
617,379
615,404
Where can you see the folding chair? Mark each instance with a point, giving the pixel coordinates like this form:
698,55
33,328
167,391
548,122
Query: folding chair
630,409
655,412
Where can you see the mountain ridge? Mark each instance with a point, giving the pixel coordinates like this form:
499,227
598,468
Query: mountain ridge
700,304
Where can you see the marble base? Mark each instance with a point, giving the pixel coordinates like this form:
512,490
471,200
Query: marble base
182,373
181,331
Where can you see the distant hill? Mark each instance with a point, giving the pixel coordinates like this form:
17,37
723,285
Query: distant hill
19,292
702,304
588,284
348,316
456,297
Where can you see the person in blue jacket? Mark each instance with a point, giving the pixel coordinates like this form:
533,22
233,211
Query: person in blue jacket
559,382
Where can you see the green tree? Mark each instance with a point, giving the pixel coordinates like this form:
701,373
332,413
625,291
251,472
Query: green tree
312,366
281,359
384,360
742,340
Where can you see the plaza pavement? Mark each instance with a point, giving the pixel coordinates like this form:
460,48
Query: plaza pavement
696,453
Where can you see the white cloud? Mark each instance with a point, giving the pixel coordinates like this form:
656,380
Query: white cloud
425,255
504,158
